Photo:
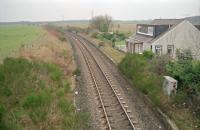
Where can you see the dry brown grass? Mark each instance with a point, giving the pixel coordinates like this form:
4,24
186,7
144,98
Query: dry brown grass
79,25
49,49
125,27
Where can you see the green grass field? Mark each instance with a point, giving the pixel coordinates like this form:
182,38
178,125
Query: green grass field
12,37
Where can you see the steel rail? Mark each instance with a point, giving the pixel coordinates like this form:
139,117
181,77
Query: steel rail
109,82
97,89
110,85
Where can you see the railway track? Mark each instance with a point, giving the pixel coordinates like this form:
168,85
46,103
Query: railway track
114,109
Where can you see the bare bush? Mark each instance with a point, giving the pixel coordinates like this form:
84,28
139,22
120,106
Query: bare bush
101,23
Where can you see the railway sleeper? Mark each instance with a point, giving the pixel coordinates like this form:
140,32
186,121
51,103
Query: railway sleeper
121,98
109,105
118,94
109,94
126,106
128,111
123,102
111,108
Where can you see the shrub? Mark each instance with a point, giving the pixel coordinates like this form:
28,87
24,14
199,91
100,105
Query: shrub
148,54
61,93
55,72
2,77
6,91
133,64
137,68
184,54
187,72
99,36
56,75
107,36
113,40
3,124
120,36
77,72
2,110
35,100
158,64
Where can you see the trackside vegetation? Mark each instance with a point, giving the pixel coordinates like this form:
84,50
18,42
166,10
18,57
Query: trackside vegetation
36,95
146,73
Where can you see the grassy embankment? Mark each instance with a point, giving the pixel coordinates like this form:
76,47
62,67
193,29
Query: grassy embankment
36,86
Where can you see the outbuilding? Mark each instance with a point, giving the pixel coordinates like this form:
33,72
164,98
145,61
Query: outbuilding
169,85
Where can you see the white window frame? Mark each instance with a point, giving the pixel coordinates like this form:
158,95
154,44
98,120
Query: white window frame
158,49
150,30
172,49
140,47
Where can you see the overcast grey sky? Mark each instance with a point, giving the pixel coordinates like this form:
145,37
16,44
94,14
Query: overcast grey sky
45,10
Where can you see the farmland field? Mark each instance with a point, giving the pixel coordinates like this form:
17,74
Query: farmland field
124,27
12,37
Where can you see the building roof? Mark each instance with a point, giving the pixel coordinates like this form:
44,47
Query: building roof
166,21
164,33
139,38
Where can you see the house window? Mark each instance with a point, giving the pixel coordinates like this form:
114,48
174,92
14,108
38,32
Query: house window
140,48
170,50
158,49
145,30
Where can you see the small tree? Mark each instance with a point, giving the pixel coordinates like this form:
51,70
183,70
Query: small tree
101,23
